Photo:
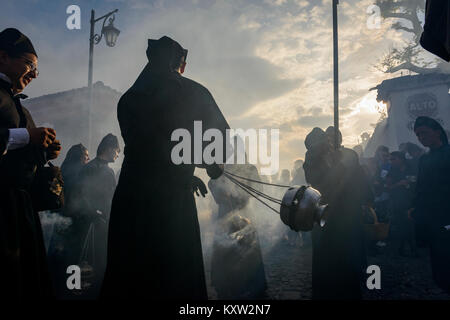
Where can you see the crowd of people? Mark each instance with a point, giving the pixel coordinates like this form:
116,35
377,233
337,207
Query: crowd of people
139,235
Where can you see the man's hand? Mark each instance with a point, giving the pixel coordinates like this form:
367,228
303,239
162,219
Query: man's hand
42,136
53,150
199,185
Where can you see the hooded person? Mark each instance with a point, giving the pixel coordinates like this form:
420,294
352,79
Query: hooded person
431,211
338,248
154,245
27,149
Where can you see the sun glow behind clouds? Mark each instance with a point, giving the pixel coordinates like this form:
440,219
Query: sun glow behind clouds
370,105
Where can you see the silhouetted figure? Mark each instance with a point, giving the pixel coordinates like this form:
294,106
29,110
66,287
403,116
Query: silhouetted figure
63,250
154,246
298,174
97,184
76,158
23,264
299,179
431,204
400,183
237,269
338,247
379,167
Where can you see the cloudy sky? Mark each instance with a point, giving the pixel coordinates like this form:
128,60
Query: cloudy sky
268,63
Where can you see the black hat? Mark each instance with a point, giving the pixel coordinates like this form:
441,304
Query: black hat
315,138
15,42
432,124
165,53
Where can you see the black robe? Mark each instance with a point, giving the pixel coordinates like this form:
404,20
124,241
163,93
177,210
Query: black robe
338,247
432,211
436,35
4,135
23,263
154,246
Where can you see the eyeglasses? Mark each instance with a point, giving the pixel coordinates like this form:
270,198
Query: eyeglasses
33,68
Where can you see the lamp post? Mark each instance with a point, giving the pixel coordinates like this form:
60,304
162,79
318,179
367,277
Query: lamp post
336,73
111,34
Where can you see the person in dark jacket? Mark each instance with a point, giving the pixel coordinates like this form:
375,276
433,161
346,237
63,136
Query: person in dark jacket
22,251
338,247
431,211
154,245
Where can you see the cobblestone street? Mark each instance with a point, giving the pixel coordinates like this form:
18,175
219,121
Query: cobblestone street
288,272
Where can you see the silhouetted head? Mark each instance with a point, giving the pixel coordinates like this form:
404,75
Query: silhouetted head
108,149
430,133
166,55
331,136
77,155
316,139
382,154
397,159
285,176
298,164
18,59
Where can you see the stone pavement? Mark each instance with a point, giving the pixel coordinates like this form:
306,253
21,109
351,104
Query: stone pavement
288,273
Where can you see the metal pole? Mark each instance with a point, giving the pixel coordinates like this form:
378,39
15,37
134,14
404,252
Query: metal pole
90,71
336,73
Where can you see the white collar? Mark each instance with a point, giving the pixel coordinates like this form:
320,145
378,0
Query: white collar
4,77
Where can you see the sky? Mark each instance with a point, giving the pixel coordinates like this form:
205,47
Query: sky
267,63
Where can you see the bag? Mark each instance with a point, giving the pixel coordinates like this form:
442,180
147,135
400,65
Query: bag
47,189
375,231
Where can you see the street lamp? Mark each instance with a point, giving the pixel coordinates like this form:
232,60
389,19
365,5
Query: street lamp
111,33
336,73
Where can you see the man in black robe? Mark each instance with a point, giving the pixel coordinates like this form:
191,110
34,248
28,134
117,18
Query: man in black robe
338,247
431,204
22,253
154,246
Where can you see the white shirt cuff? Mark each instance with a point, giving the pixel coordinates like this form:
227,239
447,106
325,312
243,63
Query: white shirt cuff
18,138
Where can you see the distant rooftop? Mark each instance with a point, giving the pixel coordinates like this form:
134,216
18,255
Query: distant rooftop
98,86
386,87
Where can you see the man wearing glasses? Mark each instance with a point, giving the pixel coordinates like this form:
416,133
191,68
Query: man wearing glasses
24,150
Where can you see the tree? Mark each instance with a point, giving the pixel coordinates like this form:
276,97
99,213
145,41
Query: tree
410,56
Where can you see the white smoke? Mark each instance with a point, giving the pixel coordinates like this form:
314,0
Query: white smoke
52,222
